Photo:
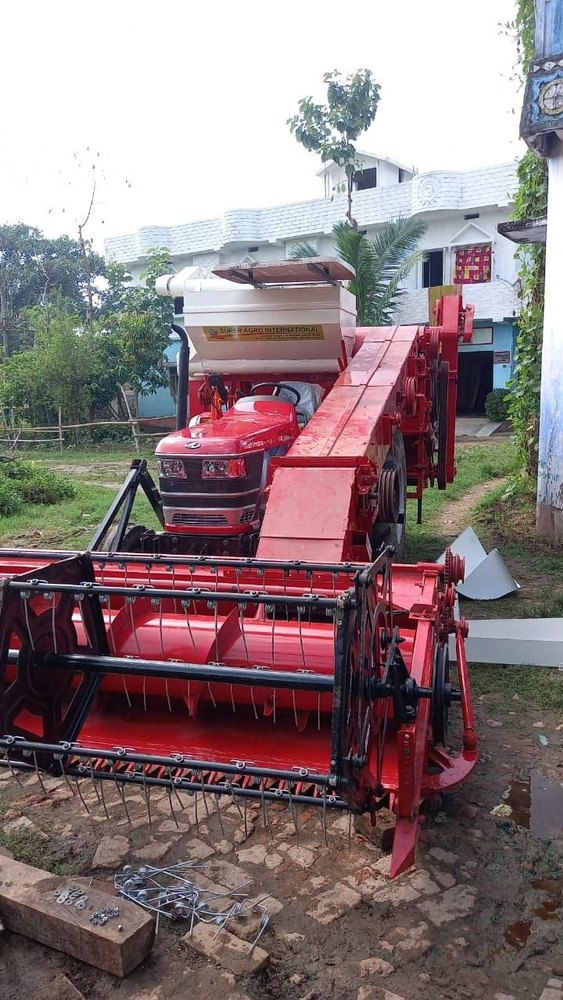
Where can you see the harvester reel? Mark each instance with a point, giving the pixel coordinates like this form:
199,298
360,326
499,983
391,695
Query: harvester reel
357,674
45,702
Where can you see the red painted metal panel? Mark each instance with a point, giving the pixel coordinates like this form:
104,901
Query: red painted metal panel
311,513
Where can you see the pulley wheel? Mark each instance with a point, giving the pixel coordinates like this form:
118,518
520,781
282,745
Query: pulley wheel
440,695
389,495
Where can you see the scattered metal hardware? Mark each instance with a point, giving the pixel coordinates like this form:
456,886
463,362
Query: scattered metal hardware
170,892
71,896
100,917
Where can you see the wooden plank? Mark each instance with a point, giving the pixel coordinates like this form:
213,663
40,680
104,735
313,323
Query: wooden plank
28,907
284,272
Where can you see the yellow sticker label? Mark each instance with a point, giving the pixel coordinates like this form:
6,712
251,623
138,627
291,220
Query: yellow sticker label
236,333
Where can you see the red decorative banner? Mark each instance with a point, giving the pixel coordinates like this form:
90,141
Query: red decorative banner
473,265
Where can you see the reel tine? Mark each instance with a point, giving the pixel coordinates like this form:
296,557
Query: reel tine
92,779
325,836
145,692
293,810
350,832
253,702
167,694
147,794
216,625
172,812
105,808
126,691
54,621
265,817
130,601
174,605
299,613
37,772
203,795
186,606
219,817
123,799
79,790
24,598
110,623
241,610
195,813
235,800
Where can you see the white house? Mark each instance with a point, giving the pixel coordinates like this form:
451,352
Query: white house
461,210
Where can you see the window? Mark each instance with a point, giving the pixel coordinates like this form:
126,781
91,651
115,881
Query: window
253,249
433,269
471,215
473,265
403,176
178,306
365,179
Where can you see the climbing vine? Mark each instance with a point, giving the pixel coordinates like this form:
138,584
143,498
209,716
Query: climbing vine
530,203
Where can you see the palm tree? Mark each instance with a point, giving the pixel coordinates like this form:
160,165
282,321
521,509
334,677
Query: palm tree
381,264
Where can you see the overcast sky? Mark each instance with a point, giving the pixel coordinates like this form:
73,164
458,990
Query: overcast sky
183,105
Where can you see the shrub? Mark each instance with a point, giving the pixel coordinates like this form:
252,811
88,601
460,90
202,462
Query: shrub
11,501
496,405
29,483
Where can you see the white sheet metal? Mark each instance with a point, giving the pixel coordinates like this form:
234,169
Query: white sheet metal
517,641
486,576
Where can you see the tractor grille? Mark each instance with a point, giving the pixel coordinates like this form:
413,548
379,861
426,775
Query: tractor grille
193,483
171,499
200,520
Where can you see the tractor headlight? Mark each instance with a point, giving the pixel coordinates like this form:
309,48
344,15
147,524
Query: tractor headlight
223,468
172,468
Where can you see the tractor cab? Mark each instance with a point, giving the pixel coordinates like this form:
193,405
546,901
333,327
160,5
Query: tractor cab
262,357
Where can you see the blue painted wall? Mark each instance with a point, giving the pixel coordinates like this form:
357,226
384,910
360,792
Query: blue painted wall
161,402
504,335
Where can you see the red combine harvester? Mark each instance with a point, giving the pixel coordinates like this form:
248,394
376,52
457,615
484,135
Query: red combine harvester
264,644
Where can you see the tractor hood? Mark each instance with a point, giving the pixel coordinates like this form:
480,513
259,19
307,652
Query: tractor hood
253,424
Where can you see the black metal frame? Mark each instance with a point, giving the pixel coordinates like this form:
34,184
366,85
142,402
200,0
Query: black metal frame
122,504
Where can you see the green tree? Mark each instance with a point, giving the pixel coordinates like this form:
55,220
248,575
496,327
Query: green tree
332,129
33,269
64,369
380,263
530,203
136,323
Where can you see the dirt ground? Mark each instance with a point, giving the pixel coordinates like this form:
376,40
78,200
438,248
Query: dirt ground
479,916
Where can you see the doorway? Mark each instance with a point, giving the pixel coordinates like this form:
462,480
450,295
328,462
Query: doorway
474,381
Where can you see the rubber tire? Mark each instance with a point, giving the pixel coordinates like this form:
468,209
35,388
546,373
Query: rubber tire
394,534
131,540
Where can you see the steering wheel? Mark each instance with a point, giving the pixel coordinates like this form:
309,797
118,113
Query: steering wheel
276,386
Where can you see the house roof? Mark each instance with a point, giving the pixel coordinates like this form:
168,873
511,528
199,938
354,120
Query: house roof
424,195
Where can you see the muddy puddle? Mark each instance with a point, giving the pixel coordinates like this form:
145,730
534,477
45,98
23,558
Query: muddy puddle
536,804
551,909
